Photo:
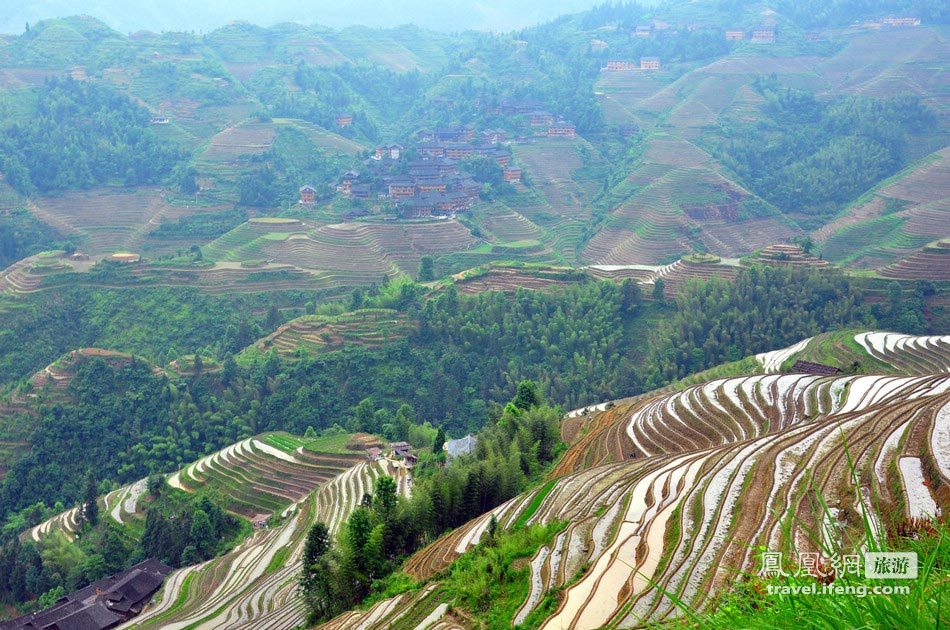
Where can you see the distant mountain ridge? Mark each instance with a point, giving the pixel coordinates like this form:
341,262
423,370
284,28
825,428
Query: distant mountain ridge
179,15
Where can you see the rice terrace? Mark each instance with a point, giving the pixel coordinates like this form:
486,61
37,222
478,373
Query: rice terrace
474,315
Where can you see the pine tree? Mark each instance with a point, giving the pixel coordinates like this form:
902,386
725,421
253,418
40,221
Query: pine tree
318,543
439,441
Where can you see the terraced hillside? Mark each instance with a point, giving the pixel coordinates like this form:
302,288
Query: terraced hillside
52,382
899,217
109,220
785,254
678,491
235,149
347,253
260,477
675,201
510,278
561,189
255,586
369,328
930,263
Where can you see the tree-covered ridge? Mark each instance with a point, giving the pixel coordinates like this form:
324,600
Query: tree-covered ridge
810,157
82,134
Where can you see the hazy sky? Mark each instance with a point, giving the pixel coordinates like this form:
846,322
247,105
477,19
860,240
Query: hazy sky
204,15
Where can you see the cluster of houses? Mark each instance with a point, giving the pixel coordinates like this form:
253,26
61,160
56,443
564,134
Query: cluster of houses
426,181
398,451
541,121
760,35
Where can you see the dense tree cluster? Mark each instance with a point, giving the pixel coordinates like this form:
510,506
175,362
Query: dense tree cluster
179,530
765,308
811,157
512,451
82,134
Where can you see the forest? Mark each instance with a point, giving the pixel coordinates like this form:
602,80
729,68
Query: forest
586,343
82,134
810,157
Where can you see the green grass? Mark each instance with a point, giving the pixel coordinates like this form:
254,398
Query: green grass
278,561
329,444
749,605
535,504
284,441
484,581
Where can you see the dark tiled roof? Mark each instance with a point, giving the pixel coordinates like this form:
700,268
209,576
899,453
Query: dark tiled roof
807,367
103,604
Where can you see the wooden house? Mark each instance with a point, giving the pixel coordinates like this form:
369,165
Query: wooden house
901,21
458,151
344,120
620,66
735,35
763,35
401,188
540,118
493,136
512,174
643,30
308,195
562,129
649,63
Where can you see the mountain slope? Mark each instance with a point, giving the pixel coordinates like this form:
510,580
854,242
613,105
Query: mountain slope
720,469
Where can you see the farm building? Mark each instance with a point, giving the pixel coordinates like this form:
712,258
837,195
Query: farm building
819,369
453,134
519,106
763,35
374,453
346,182
259,521
462,446
620,66
344,120
512,174
362,191
308,194
644,30
649,63
735,35
901,21
562,129
400,449
160,120
105,603
502,158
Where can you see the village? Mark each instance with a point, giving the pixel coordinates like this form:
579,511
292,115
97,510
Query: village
433,175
